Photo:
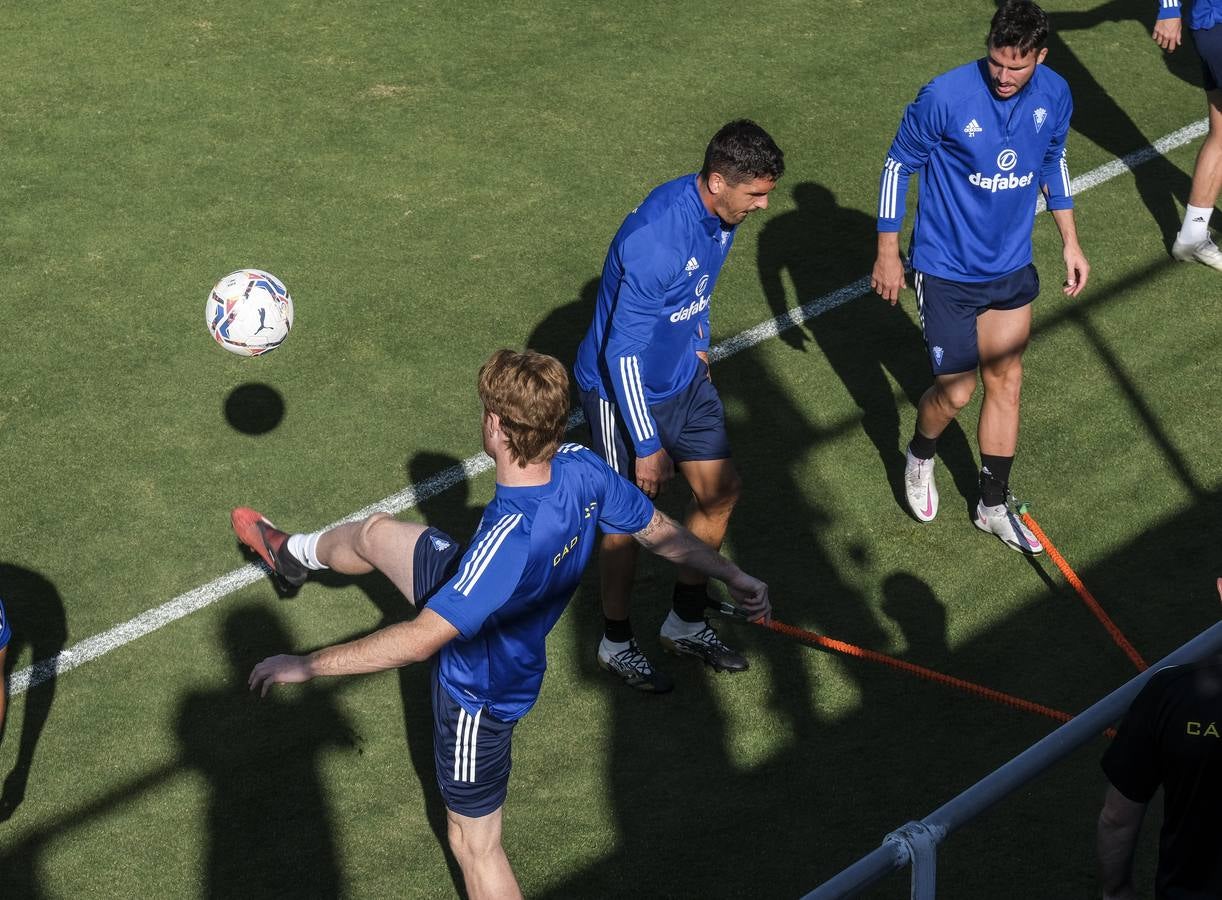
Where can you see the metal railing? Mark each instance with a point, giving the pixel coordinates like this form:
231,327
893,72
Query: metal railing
916,843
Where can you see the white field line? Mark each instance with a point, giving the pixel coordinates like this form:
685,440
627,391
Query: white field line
150,621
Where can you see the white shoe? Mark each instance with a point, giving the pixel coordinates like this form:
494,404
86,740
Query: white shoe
628,662
1004,523
920,488
1206,252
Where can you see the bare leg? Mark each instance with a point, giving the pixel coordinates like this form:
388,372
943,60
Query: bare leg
715,490
1207,174
477,847
380,542
942,401
1002,336
617,567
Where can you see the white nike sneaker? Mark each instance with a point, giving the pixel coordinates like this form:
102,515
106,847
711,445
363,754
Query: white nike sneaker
1206,252
920,488
1003,522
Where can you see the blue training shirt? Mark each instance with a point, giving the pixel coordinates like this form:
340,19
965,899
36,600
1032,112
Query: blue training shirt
1204,14
6,631
518,574
982,161
652,314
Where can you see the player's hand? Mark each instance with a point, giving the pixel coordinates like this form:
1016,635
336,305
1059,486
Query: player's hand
752,595
887,279
653,471
708,368
279,670
1167,33
1077,271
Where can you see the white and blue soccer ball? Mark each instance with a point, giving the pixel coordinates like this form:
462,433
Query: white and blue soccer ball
249,312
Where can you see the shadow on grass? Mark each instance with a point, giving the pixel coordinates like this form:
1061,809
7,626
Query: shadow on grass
821,246
269,820
36,617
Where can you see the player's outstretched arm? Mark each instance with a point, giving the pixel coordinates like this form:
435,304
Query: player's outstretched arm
670,540
387,648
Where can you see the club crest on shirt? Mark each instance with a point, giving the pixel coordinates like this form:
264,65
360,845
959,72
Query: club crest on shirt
937,354
1039,116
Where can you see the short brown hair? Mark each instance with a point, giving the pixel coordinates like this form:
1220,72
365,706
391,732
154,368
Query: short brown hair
529,391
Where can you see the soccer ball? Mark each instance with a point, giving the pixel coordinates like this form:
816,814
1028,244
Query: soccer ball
249,312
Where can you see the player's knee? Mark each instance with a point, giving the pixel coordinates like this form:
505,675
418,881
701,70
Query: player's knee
472,846
1005,384
721,497
957,394
369,531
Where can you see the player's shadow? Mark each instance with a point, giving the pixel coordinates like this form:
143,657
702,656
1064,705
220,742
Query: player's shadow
1099,118
823,246
683,805
254,408
36,616
559,333
450,511
269,820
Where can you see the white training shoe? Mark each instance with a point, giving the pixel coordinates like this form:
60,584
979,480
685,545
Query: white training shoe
1206,252
920,488
1003,522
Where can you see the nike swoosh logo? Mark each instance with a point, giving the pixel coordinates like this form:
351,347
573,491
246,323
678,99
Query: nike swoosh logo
929,504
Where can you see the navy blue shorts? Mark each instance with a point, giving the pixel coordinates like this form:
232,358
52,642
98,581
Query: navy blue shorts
6,632
472,755
948,311
434,562
691,426
1209,48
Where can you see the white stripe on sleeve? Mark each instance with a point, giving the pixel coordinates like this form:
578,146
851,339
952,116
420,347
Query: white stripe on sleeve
484,552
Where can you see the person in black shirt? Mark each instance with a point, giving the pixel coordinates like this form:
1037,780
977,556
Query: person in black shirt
1171,737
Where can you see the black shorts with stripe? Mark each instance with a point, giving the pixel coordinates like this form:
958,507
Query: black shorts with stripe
472,755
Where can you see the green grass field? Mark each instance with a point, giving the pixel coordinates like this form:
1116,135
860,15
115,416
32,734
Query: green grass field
433,182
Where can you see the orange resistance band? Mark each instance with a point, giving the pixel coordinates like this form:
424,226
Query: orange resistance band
1092,604
970,687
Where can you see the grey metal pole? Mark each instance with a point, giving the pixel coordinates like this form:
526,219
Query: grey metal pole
1002,781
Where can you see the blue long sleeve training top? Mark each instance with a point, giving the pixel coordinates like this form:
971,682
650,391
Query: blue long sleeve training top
652,314
1204,14
982,161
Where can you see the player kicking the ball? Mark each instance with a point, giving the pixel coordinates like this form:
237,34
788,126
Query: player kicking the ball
485,612
986,138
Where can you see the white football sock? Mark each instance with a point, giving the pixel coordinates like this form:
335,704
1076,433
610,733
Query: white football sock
1196,224
302,547
610,648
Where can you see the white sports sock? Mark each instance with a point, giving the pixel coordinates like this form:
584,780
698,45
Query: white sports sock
1196,224
610,648
674,627
302,547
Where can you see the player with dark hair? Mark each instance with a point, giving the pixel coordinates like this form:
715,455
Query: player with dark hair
1193,242
986,138
485,612
643,373
1171,738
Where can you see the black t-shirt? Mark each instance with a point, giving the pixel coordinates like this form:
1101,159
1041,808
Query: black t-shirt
1172,736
